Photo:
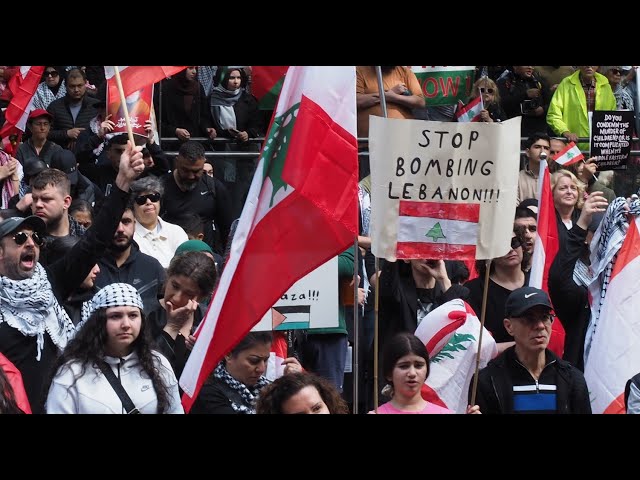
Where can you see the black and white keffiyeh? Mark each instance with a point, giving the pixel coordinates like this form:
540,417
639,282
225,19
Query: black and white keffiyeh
605,245
116,295
249,395
30,307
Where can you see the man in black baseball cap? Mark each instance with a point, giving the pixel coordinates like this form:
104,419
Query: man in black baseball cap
528,377
20,241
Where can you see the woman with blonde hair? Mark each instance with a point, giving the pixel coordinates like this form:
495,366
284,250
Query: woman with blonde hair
568,197
492,111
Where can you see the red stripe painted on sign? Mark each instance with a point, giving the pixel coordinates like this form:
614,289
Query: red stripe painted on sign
435,251
467,212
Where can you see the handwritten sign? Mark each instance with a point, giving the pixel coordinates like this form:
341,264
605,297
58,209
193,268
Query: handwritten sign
611,138
312,302
462,173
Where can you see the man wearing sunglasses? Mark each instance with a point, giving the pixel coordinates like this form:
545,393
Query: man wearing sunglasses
34,327
528,377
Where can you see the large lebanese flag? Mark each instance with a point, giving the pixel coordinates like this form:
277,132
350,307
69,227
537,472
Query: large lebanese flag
136,77
545,250
614,356
23,86
451,334
266,84
437,230
301,210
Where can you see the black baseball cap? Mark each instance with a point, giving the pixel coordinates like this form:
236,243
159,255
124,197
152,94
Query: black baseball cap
11,224
524,298
65,161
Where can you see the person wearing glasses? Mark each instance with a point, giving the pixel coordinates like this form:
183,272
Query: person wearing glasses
155,236
51,88
528,377
37,147
34,327
506,274
492,111
624,99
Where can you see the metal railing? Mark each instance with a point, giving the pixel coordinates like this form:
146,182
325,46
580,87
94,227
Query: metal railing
260,140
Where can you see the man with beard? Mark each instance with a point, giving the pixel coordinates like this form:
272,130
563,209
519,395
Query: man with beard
402,94
34,327
125,263
187,189
49,200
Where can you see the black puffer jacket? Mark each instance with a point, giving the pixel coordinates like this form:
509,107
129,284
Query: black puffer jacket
63,119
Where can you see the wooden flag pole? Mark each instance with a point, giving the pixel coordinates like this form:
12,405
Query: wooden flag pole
482,316
123,101
383,105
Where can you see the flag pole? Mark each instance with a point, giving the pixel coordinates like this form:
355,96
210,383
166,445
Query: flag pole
383,104
123,102
355,368
482,317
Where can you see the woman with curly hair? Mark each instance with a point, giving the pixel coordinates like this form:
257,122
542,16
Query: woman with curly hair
299,393
116,337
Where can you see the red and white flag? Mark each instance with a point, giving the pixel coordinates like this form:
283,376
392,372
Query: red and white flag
437,230
301,210
545,250
471,111
614,353
266,84
278,353
451,333
135,78
569,155
23,86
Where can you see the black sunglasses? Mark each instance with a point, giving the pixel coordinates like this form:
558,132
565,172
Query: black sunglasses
615,71
142,199
515,243
487,90
21,237
52,73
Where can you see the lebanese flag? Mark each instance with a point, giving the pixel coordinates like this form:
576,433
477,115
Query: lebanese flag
437,230
301,210
23,86
135,78
471,111
569,155
266,83
545,250
451,333
614,356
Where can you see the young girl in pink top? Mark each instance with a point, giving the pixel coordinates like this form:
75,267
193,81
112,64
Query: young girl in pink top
406,367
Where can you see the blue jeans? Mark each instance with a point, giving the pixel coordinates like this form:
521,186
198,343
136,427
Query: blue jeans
325,355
